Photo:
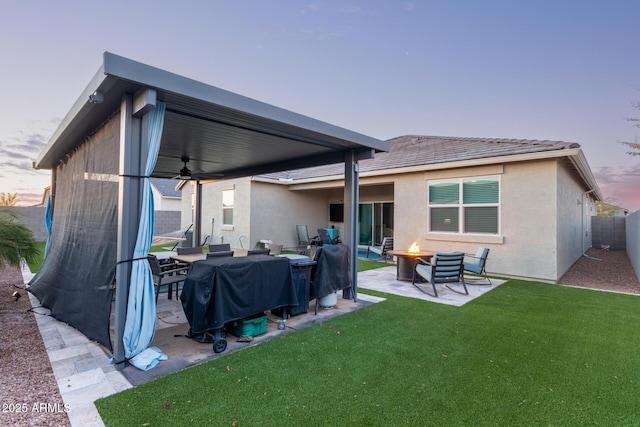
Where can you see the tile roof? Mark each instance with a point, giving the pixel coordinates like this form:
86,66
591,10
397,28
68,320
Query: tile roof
166,187
417,150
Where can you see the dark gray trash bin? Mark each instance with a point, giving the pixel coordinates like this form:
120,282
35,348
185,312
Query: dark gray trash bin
301,266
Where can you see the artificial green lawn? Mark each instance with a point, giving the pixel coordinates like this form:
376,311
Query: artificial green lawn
35,264
525,353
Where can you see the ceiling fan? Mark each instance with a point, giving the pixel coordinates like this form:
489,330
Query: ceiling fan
185,172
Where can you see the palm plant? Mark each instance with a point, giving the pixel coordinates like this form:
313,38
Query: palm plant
8,199
16,241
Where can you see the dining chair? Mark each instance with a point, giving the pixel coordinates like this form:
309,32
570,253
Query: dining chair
219,254
189,251
220,247
258,252
168,277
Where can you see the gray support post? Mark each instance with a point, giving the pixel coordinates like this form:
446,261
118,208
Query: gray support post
129,206
351,198
197,222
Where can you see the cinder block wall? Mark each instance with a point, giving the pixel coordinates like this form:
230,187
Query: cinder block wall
33,217
609,231
166,222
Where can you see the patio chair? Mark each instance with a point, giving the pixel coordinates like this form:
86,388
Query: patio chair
303,237
168,277
325,238
475,264
258,252
274,249
219,254
444,267
382,249
220,247
189,251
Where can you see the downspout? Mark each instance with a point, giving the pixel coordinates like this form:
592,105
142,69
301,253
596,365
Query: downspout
582,230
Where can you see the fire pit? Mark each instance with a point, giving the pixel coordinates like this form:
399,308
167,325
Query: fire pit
406,260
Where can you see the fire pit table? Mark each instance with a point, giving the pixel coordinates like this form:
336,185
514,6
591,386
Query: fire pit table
406,261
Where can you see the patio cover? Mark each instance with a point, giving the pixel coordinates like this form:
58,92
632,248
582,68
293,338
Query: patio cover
224,135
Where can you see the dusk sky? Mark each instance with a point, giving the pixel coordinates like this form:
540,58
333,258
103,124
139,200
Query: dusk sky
565,70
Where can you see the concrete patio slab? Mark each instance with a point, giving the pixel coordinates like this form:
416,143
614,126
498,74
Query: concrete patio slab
384,280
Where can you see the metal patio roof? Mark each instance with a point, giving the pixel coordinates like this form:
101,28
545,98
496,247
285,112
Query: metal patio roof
224,135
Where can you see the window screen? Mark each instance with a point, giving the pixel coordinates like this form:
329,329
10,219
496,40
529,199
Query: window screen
465,205
227,207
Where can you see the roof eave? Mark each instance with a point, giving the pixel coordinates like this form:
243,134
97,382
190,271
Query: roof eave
80,109
575,155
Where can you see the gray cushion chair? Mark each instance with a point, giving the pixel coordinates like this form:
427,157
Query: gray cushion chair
382,249
444,267
476,263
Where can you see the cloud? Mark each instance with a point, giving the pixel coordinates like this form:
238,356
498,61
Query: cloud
620,185
314,7
23,147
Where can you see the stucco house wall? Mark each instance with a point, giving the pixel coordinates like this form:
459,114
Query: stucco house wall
161,203
212,213
534,241
545,200
186,205
575,208
262,211
276,210
529,221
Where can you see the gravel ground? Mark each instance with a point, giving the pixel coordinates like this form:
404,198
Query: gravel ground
606,270
27,379
29,394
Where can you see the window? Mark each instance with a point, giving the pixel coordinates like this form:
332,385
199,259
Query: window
227,207
469,205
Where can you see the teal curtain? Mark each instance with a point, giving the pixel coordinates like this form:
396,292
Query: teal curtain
140,324
47,224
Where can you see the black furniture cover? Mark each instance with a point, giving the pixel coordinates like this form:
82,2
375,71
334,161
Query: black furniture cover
221,290
331,273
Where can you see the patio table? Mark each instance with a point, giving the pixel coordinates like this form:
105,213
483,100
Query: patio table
406,262
190,258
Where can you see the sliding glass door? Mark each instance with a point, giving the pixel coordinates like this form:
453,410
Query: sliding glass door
375,222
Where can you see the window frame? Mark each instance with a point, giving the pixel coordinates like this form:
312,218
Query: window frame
461,206
228,207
